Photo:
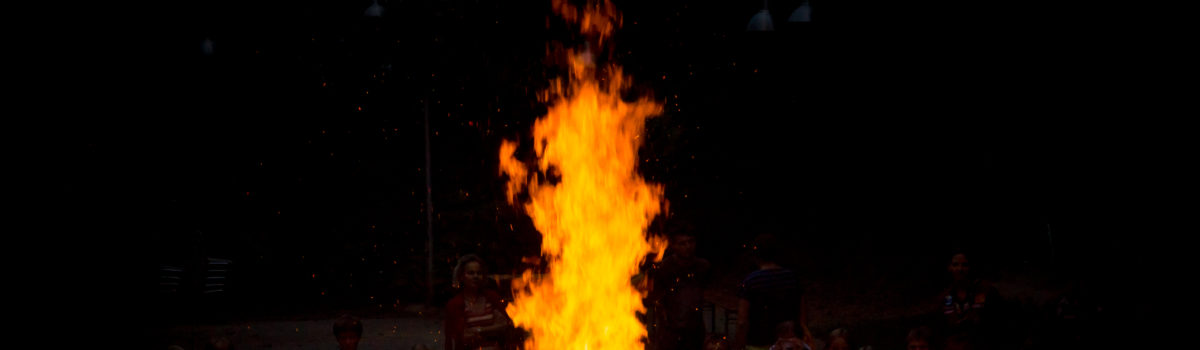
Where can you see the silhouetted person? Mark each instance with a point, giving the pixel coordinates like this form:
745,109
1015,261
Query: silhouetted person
967,307
767,298
1069,319
678,295
475,318
348,331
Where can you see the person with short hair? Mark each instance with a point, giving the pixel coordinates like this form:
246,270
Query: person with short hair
768,297
678,294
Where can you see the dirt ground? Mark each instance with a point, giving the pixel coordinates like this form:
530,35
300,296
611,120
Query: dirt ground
378,334
877,316
877,302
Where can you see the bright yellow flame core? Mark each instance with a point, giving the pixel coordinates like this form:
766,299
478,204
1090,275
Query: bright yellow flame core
593,221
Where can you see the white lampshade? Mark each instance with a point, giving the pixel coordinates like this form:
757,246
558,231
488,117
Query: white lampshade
761,22
802,13
375,10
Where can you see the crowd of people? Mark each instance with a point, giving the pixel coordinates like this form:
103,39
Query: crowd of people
770,310
769,313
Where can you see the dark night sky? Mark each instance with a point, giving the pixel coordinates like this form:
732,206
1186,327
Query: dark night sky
297,146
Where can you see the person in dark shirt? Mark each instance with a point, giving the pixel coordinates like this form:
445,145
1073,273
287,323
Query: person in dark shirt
678,295
767,298
969,305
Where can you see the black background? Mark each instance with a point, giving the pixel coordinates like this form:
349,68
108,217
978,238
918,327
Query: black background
879,135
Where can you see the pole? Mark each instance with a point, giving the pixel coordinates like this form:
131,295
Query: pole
428,213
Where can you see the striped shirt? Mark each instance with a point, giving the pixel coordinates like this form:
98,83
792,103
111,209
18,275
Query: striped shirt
462,315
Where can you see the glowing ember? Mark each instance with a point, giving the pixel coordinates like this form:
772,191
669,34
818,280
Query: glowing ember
593,220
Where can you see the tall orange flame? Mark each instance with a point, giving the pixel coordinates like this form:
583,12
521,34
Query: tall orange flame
594,219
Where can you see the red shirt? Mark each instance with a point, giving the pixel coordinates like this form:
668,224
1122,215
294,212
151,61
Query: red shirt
460,316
